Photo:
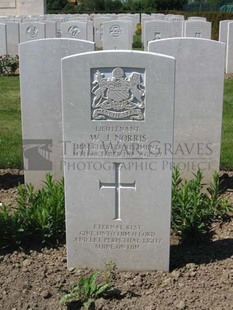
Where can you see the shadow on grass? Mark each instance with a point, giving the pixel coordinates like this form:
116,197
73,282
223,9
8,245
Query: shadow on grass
200,254
9,180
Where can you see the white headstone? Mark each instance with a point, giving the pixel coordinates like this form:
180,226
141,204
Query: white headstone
118,196
223,25
223,28
198,104
156,30
229,49
74,30
31,31
90,30
193,18
130,20
40,85
30,20
12,30
197,29
3,47
98,30
158,16
59,20
117,35
176,25
50,29
136,18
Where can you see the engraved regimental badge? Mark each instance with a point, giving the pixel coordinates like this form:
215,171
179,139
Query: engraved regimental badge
73,31
118,97
32,32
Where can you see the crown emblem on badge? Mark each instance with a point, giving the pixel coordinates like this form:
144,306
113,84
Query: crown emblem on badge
118,97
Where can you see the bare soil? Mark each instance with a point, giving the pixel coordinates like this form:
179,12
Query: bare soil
200,277
228,76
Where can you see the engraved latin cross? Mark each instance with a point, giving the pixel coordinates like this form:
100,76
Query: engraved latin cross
117,185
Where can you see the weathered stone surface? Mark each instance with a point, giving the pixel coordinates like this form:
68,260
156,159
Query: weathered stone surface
229,49
40,83
117,117
198,103
30,31
197,29
155,30
117,35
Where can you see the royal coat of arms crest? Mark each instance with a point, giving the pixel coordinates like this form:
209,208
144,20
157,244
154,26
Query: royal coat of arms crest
118,97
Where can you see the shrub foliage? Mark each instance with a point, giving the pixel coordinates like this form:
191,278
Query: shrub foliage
87,290
8,65
40,217
195,207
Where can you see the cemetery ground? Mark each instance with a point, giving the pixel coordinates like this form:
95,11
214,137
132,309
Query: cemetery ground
201,275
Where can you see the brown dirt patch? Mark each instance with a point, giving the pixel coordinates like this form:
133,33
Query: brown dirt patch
228,76
201,276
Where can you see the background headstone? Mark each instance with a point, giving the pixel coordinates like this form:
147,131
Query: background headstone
223,28
223,25
117,35
198,103
156,30
229,49
3,47
197,29
50,29
31,31
176,26
74,30
12,31
40,86
194,18
98,30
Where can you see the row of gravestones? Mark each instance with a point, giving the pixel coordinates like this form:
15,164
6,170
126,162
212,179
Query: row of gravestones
108,34
226,36
116,123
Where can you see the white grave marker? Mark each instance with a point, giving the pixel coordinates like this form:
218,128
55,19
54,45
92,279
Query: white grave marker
74,30
12,30
40,85
117,113
197,29
98,30
117,35
229,49
199,99
3,46
156,30
31,31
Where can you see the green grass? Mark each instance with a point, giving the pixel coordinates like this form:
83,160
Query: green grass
137,45
227,128
10,125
